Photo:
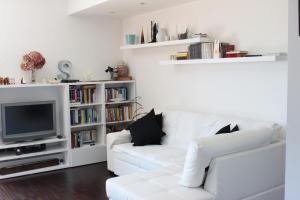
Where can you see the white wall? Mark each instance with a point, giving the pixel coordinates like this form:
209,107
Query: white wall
250,90
44,25
293,136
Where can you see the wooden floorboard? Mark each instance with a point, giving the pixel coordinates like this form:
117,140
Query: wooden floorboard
81,183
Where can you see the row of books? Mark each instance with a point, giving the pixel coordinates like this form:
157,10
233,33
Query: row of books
209,50
83,94
82,138
116,94
83,116
201,50
123,113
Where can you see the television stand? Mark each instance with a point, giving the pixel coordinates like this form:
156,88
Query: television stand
31,152
60,146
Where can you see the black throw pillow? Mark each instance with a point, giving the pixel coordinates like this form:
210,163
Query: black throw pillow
159,120
225,129
146,131
236,128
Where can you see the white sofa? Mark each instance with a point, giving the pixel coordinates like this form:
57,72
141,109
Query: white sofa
153,172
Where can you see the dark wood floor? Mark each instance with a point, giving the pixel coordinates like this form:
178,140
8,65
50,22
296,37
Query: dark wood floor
81,183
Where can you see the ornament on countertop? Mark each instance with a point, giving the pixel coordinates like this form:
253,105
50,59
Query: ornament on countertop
142,36
31,62
64,67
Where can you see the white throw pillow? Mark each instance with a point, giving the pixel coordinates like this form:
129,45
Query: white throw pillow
204,150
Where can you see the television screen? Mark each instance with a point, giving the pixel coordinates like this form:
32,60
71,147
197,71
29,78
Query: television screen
28,121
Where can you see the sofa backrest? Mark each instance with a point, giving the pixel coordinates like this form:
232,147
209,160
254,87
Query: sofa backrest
257,173
182,127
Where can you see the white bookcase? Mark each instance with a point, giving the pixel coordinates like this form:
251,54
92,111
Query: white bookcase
62,147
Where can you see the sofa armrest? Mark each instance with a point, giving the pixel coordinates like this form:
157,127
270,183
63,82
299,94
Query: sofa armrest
248,173
113,139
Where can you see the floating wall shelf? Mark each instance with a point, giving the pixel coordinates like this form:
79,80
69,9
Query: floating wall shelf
271,58
166,43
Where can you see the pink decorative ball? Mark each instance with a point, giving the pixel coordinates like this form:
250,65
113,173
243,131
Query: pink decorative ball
32,61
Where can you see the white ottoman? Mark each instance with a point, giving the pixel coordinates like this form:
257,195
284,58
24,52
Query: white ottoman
153,185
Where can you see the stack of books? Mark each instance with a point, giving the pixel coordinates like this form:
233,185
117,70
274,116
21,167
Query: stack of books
83,138
122,113
116,94
182,56
82,94
236,54
83,116
224,48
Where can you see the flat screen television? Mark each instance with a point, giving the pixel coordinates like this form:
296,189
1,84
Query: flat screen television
28,121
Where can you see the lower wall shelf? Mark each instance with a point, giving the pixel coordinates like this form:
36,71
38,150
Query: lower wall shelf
270,58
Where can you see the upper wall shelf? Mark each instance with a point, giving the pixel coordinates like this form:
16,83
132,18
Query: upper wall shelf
119,8
162,44
271,58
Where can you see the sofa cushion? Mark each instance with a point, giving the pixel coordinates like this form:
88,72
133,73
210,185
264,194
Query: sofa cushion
201,152
153,185
182,127
144,156
146,131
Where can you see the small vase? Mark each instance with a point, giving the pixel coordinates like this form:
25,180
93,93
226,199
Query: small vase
33,80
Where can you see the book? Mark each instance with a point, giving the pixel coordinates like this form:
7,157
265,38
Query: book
217,49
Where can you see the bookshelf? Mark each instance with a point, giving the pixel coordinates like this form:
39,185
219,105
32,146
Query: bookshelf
93,100
119,108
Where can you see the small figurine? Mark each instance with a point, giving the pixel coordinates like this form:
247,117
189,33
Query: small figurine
6,81
154,31
142,37
23,81
183,36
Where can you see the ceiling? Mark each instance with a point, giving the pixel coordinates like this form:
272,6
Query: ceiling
126,8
